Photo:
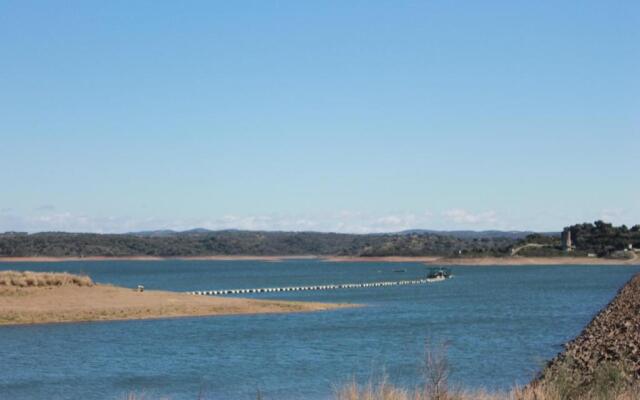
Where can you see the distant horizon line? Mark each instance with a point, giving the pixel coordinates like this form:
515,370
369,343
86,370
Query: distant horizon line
196,230
207,230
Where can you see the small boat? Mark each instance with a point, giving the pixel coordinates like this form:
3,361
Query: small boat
400,270
439,274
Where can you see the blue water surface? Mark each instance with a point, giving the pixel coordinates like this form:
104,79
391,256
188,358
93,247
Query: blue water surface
500,323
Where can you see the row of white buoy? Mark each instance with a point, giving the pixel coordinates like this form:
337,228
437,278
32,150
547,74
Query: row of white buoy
305,288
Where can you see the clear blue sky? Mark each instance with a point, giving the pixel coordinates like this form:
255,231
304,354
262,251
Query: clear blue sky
331,115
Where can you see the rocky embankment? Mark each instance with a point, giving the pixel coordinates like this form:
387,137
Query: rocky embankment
610,342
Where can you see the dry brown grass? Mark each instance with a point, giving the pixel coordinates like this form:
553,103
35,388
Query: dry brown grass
612,381
386,391
42,279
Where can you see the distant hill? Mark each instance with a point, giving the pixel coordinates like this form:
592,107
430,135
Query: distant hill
461,234
161,232
170,232
201,242
479,234
600,238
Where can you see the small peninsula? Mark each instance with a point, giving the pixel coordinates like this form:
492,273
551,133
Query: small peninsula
32,298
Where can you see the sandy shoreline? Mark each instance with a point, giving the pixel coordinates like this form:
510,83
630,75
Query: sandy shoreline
392,259
153,258
35,305
515,261
479,261
483,261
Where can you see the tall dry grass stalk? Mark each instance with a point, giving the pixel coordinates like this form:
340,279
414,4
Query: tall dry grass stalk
436,371
611,384
42,279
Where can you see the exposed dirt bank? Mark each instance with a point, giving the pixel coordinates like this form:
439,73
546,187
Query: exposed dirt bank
507,261
534,261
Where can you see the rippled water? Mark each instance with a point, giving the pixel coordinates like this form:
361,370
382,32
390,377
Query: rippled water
501,324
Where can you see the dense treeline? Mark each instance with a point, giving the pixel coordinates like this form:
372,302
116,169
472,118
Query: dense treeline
598,239
604,239
57,244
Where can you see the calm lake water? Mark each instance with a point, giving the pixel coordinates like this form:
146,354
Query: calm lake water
501,323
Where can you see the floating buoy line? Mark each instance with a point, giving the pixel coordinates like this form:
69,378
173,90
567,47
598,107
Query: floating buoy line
312,287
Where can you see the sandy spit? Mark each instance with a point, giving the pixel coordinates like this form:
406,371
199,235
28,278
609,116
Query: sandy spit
33,305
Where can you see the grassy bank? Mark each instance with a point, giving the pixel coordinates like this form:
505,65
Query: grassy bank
613,384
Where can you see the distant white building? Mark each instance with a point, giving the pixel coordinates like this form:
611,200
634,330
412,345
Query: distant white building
567,242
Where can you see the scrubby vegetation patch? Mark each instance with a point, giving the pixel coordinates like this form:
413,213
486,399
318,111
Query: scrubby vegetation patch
42,279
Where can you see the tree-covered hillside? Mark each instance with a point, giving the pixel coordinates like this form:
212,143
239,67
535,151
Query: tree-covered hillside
604,239
199,243
597,239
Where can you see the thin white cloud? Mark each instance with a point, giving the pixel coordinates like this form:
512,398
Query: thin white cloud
610,214
618,216
460,216
50,218
347,222
344,221
69,222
